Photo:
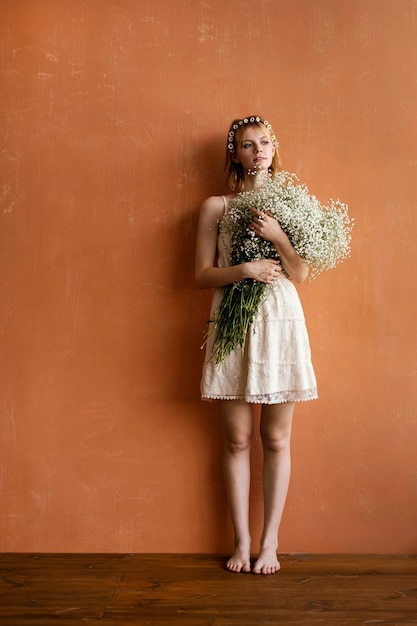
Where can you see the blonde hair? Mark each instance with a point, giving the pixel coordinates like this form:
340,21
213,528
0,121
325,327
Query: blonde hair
234,171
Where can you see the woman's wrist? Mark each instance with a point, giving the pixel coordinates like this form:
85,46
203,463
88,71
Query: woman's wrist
244,271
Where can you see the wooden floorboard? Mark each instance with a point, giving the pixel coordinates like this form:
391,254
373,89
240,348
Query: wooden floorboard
196,590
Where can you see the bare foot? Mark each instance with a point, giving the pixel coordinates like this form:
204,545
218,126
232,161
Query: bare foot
267,562
239,561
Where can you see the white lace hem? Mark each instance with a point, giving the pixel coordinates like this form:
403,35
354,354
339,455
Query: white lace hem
278,397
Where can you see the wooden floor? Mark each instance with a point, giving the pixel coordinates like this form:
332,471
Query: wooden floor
182,590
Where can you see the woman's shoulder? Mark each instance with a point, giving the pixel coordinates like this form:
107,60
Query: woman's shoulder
217,203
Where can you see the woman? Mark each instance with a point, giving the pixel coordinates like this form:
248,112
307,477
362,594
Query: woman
274,368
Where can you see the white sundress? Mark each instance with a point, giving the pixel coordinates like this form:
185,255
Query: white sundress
275,365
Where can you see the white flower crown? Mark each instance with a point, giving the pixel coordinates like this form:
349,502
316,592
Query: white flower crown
248,120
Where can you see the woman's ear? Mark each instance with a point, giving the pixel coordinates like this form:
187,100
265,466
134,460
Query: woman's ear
235,158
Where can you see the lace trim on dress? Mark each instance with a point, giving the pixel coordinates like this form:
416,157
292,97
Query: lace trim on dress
271,398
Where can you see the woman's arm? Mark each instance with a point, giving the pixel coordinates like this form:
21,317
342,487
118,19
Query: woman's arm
269,228
207,273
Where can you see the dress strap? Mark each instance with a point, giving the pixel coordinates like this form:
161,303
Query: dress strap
224,202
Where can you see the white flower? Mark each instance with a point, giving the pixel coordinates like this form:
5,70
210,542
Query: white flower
319,233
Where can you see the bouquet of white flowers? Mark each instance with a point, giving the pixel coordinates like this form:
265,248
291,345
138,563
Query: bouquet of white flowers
321,235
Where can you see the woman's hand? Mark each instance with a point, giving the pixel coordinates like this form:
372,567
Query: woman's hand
266,226
263,270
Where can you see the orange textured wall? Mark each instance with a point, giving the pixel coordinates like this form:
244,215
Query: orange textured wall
114,115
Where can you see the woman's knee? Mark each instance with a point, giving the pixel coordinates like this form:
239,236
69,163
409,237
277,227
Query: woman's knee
276,440
237,425
238,442
276,424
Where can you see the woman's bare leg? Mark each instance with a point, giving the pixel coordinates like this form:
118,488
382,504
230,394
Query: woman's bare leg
238,428
276,422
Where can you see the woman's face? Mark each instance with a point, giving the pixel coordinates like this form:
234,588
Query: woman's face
254,149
